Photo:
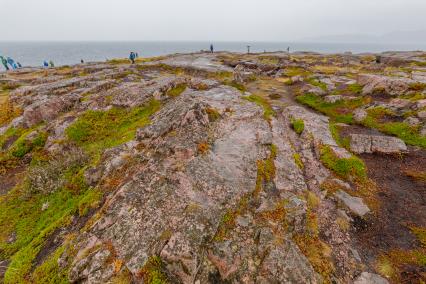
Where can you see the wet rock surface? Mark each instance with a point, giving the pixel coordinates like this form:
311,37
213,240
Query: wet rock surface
211,168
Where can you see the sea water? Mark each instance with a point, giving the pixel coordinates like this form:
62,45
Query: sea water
68,53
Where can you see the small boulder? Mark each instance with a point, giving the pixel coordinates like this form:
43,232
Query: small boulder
421,104
392,86
333,99
355,204
370,278
360,114
412,121
422,114
361,143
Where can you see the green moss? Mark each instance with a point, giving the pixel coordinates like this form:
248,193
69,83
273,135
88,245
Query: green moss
176,91
298,125
99,130
297,71
90,200
22,146
414,96
417,86
409,134
119,61
49,271
345,168
298,161
355,88
317,83
340,111
153,272
268,112
238,86
32,226
335,132
213,114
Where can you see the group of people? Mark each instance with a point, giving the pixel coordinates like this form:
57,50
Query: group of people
9,63
48,64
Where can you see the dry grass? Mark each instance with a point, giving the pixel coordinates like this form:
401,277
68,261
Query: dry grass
8,111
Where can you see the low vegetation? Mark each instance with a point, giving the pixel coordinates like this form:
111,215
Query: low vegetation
268,112
340,111
99,130
409,134
298,125
176,91
153,272
347,168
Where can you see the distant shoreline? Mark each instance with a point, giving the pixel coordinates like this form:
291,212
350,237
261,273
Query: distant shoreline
31,53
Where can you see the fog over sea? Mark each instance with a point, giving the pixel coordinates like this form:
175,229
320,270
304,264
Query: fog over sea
68,53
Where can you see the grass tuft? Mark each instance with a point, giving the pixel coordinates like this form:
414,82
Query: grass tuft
96,131
345,168
298,125
268,112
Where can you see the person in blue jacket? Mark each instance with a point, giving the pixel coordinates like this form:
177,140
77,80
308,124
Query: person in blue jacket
46,64
11,63
132,57
4,62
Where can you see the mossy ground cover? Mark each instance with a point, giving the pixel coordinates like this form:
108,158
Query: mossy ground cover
268,112
8,111
21,213
317,83
298,125
11,157
153,272
409,134
340,111
236,85
96,131
346,168
176,91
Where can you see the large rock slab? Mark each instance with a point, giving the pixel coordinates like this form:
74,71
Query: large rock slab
392,86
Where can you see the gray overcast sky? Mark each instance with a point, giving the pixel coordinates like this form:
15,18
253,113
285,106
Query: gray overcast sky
267,20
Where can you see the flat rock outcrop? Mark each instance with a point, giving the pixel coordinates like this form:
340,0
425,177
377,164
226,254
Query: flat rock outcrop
361,143
205,168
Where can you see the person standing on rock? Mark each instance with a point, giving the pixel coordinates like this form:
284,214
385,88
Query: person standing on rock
11,63
211,48
132,57
4,62
51,64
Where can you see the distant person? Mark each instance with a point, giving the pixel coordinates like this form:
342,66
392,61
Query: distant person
19,65
137,55
132,57
81,61
51,64
11,63
4,62
211,48
46,64
288,49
